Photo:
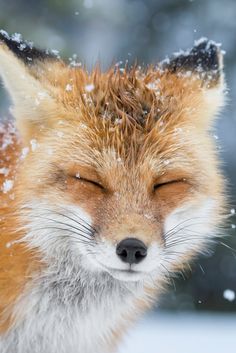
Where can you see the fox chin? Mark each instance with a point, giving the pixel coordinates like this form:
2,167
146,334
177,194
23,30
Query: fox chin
109,184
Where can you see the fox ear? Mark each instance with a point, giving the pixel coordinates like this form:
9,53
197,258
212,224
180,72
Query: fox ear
204,59
31,100
202,71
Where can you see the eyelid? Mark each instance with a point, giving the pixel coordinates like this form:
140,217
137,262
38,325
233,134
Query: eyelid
169,182
96,183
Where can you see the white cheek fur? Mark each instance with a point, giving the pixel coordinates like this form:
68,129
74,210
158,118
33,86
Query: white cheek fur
69,233
187,230
54,230
65,301
63,304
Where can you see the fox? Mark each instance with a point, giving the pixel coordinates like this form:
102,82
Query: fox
110,183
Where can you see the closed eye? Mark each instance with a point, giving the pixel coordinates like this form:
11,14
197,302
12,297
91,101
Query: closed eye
89,181
167,183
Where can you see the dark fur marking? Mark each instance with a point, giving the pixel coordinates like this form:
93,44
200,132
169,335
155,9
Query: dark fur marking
203,58
24,50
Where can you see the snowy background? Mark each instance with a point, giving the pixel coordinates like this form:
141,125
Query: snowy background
195,310
182,333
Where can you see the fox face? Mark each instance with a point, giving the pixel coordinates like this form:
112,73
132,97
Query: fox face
118,172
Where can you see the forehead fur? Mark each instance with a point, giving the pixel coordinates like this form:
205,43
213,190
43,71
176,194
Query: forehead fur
140,97
133,101
131,113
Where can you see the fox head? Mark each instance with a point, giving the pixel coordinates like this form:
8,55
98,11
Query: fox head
121,173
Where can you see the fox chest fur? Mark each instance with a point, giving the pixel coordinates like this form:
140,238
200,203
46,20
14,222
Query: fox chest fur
71,316
109,184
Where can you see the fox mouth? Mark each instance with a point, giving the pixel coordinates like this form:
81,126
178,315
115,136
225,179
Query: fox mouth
127,275
118,270
128,271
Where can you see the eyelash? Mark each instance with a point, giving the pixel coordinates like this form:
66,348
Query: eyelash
89,181
157,186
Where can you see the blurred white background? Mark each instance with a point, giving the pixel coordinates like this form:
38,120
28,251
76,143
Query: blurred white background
182,333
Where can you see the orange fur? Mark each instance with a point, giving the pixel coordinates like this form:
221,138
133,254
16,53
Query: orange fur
125,132
17,262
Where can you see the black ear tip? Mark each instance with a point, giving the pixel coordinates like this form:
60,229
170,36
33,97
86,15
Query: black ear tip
24,50
208,54
4,35
205,56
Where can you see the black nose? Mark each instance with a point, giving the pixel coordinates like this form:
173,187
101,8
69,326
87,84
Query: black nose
131,250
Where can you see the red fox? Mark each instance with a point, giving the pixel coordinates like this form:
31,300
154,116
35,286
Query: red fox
109,184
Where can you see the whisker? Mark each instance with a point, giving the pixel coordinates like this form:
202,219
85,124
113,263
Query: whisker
175,242
73,220
186,227
80,218
57,239
228,247
182,222
201,268
169,277
88,241
62,223
91,252
84,223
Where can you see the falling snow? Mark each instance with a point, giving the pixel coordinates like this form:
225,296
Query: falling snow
55,52
34,144
89,88
68,87
4,171
24,152
7,186
229,295
8,245
152,85
16,37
